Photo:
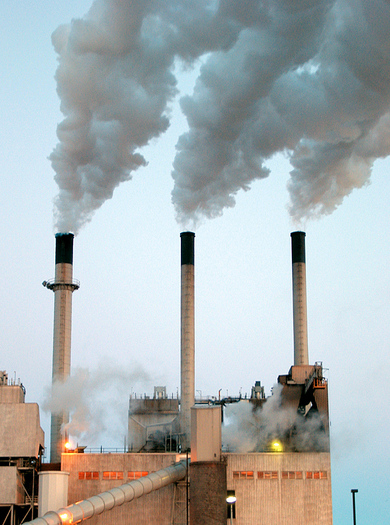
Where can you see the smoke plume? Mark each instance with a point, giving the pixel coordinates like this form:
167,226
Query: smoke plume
96,400
310,79
115,79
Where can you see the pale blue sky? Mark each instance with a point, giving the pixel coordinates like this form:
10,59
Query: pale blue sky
126,313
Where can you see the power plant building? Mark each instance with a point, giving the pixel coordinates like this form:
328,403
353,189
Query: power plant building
21,450
181,462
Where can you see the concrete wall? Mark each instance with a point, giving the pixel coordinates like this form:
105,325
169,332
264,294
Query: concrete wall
10,486
20,431
281,488
11,394
156,507
208,493
301,373
205,433
271,488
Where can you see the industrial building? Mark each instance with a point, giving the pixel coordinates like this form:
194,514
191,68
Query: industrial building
182,459
21,449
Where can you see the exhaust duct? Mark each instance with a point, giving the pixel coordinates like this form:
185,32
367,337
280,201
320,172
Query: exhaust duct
115,497
63,285
187,335
301,354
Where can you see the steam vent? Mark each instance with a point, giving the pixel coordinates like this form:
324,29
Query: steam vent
181,463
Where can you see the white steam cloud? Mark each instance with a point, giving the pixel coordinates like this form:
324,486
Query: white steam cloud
115,80
249,429
310,79
97,401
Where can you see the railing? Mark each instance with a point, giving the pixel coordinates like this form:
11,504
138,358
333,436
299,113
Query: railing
103,450
52,284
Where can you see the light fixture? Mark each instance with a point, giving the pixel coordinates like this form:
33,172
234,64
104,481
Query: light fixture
231,500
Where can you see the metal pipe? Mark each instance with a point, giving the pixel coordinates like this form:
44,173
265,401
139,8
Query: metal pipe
115,497
187,353
301,354
63,286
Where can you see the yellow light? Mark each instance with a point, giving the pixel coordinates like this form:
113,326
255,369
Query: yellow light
277,446
65,518
67,445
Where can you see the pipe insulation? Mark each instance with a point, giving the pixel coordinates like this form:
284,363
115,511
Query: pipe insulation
187,349
301,354
115,497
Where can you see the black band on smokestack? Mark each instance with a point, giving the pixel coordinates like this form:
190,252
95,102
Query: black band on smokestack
298,247
187,248
64,248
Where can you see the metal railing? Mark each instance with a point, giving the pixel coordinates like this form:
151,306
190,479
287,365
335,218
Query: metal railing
51,284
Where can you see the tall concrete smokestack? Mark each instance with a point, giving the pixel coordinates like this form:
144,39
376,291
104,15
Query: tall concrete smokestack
63,286
187,335
301,354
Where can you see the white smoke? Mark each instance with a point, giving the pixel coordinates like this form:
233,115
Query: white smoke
308,78
115,80
97,401
252,429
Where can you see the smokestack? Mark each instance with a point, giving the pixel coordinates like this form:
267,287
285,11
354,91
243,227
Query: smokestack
187,335
63,286
301,355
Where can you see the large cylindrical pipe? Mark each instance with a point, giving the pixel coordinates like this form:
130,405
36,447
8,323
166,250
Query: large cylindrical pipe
187,353
63,286
53,490
113,498
301,354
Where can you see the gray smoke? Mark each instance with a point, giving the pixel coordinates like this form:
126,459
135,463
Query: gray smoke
309,79
115,80
96,400
250,429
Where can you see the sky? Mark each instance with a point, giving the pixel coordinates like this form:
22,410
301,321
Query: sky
126,314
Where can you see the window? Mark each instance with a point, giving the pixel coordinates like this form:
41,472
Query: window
291,474
112,475
322,474
89,475
243,474
267,474
136,474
